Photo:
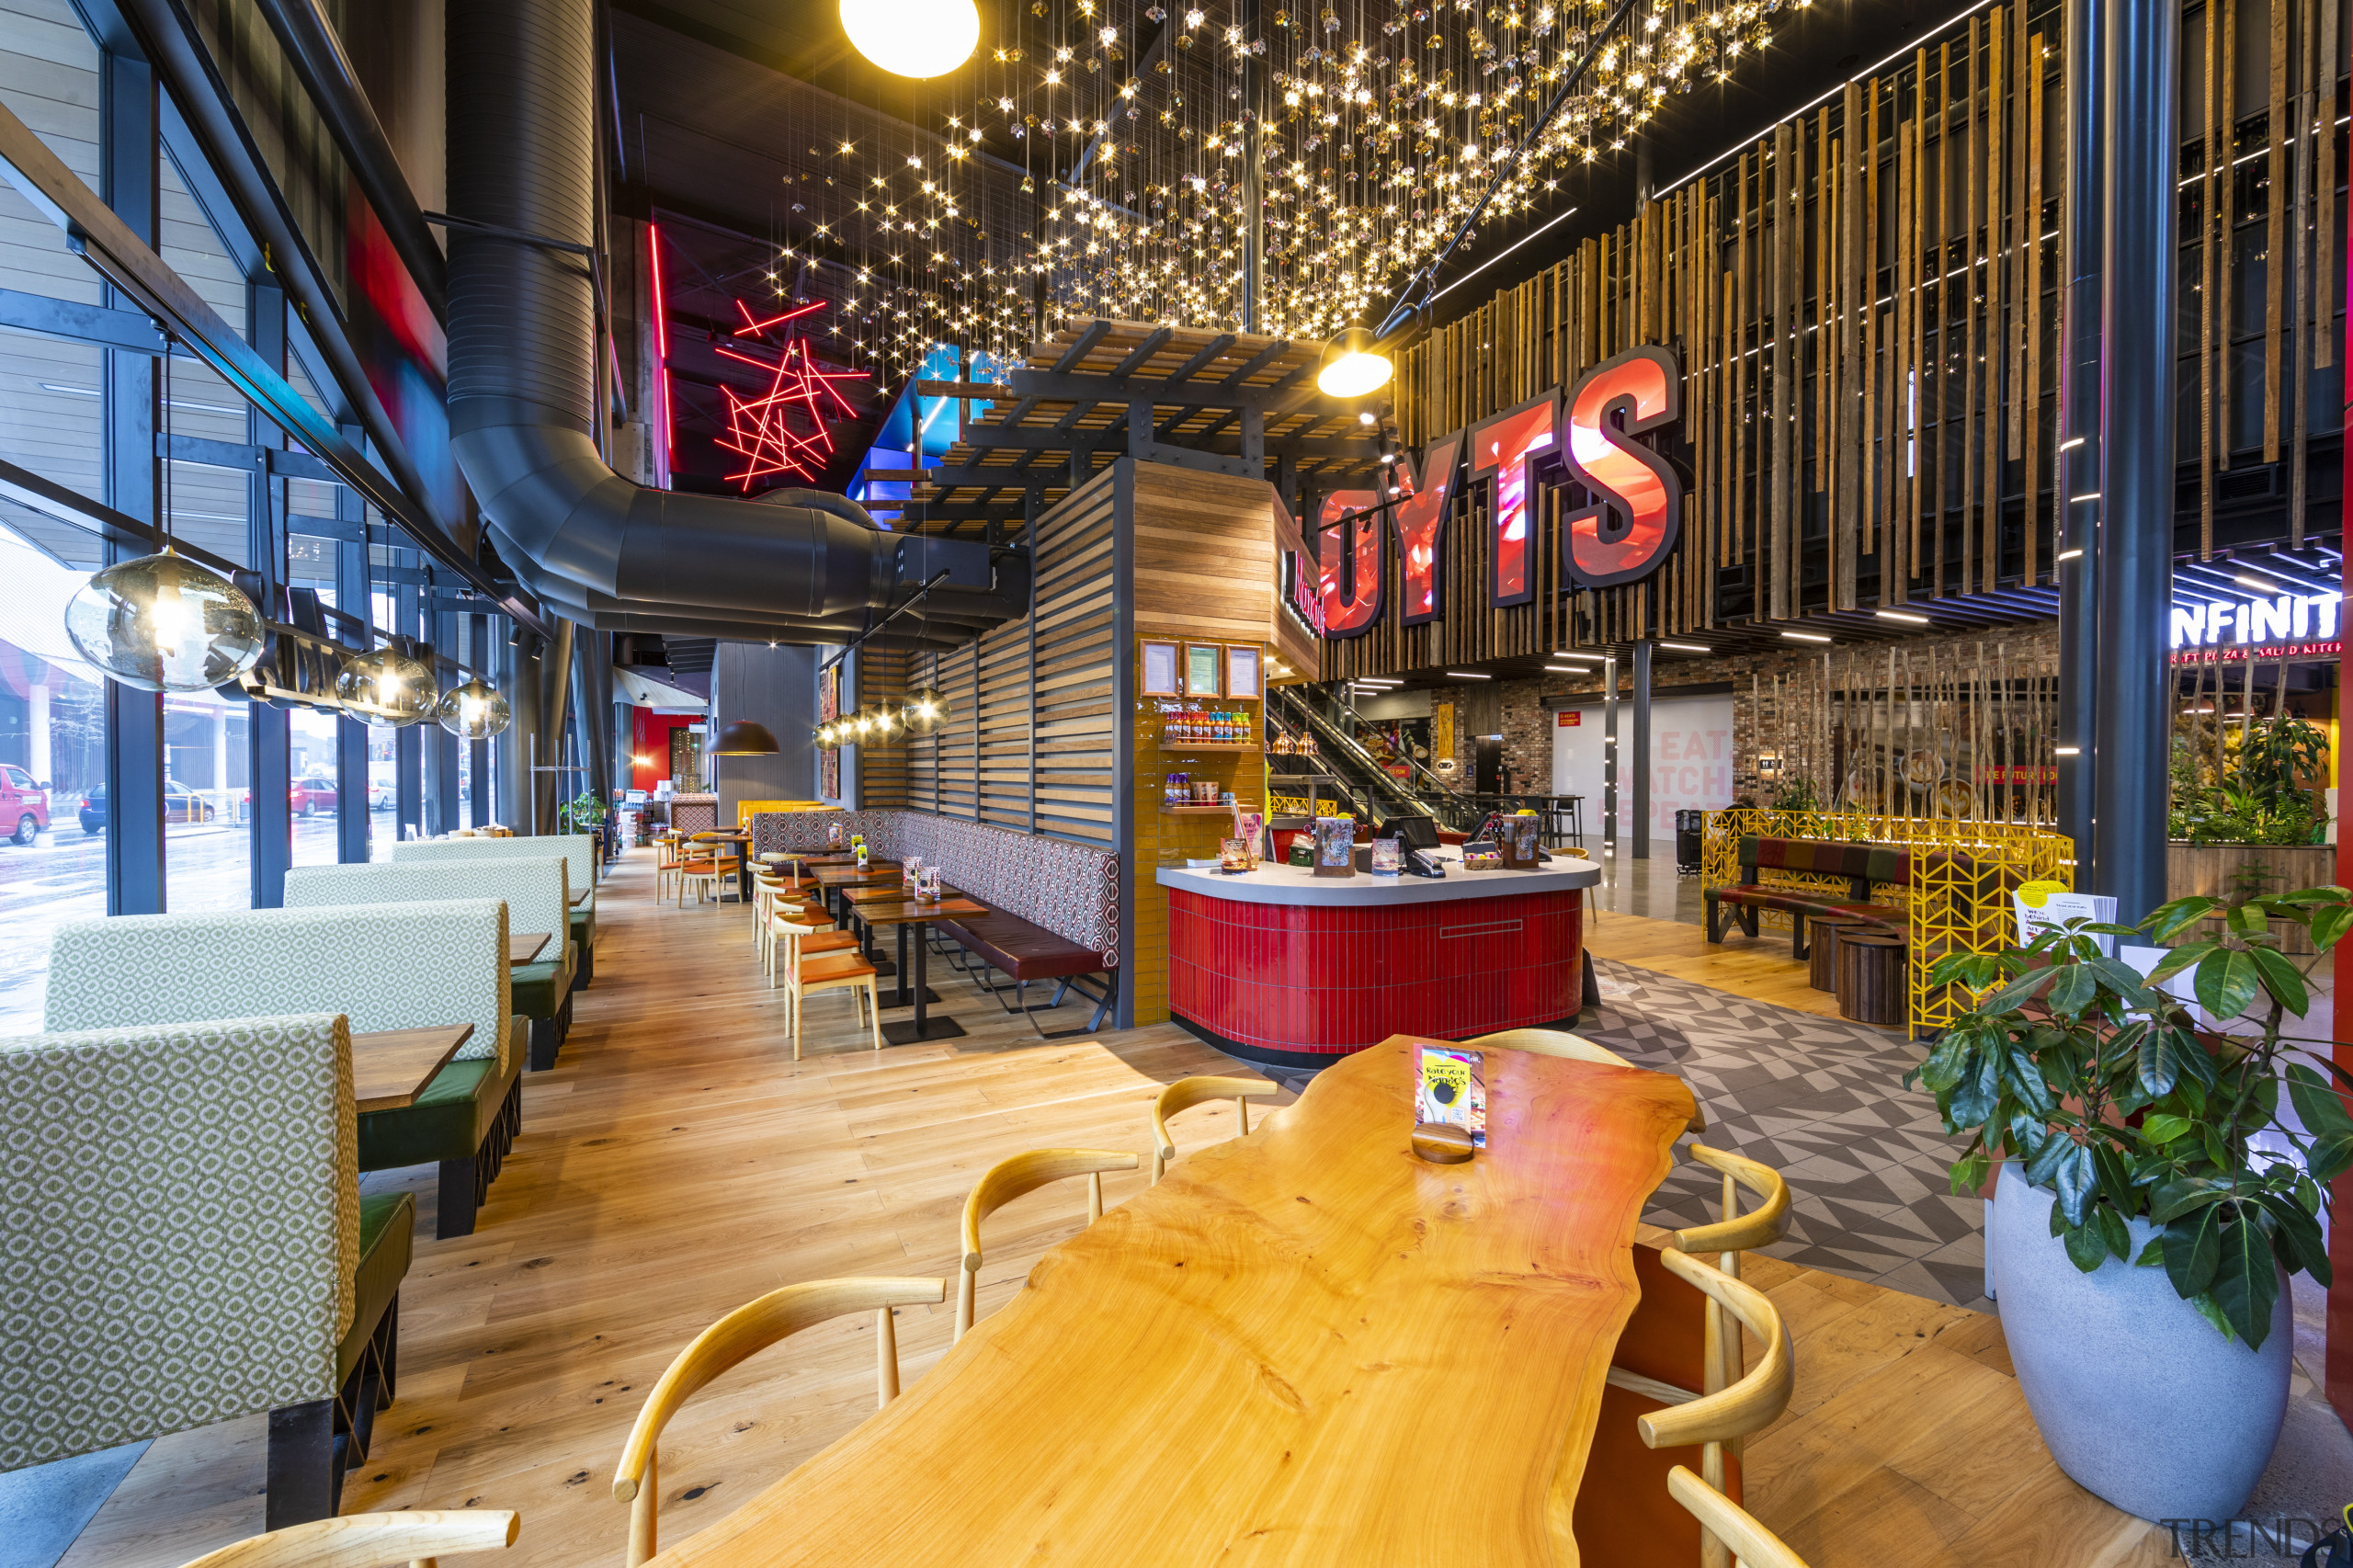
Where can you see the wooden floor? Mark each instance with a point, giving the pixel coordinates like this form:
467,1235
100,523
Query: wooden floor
677,1161
1758,967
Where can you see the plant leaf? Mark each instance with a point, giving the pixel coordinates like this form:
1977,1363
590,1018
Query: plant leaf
2281,978
2114,1232
2174,1199
2331,1156
2226,983
2167,919
2076,989
2159,1127
2192,1247
2019,992
2246,1278
2086,1247
2328,925
2154,1254
2316,1102
2297,1238
2181,958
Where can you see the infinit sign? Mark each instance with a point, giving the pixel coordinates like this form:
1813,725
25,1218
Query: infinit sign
1624,533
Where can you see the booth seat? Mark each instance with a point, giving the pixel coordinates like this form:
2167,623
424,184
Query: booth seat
185,1221
581,868
536,888
439,964
694,813
1862,866
1054,906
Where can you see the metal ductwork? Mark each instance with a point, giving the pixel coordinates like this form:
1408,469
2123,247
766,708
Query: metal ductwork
793,567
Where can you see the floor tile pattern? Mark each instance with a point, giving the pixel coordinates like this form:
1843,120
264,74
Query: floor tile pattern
1823,1101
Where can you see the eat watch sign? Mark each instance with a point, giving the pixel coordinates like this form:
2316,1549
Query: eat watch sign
1623,536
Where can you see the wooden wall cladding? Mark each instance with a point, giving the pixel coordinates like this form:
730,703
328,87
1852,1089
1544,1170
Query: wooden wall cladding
1865,304
1030,742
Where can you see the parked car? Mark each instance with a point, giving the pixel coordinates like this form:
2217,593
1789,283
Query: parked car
180,804
313,795
24,803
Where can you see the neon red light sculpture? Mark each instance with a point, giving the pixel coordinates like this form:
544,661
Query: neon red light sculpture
762,430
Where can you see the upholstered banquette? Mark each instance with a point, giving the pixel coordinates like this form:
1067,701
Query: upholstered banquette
185,1242
579,852
537,889
438,964
1053,905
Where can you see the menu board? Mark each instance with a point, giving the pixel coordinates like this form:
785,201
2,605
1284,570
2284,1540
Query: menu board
1160,670
1201,661
1241,671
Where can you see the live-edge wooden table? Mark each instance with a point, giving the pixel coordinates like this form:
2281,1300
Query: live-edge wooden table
1304,1346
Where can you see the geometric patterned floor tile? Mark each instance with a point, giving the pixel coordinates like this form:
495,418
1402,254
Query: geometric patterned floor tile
1823,1101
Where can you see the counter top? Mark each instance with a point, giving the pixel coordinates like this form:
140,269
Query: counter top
1299,885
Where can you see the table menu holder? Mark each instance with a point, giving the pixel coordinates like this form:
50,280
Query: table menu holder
1450,1103
1336,846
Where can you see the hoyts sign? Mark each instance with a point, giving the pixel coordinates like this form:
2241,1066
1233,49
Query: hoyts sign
1623,535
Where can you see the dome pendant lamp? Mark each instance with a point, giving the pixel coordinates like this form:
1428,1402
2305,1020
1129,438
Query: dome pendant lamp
164,623
913,38
742,737
1352,365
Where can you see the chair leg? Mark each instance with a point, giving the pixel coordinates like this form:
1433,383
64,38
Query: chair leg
874,1012
304,1481
461,1191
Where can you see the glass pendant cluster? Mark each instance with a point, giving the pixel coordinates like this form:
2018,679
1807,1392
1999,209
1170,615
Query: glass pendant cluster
1381,125
164,623
919,713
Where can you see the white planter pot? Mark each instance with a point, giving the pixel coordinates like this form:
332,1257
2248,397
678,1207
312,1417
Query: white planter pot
2137,1395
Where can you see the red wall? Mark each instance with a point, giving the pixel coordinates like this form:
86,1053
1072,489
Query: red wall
649,737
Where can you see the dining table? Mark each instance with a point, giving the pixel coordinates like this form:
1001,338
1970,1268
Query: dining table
1304,1346
523,946
391,1067
913,917
742,839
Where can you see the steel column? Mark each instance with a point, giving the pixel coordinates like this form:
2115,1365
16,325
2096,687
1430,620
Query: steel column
269,730
2077,468
1609,754
353,597
2135,512
1641,751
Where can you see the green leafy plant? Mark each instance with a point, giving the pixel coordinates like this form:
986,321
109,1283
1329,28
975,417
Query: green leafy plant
1795,795
584,812
2255,798
2098,1087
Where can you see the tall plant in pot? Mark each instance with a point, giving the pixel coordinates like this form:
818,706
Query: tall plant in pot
2153,1200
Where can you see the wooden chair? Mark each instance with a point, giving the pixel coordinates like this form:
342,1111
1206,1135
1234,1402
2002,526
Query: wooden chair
669,856
807,973
1723,1417
799,930
745,1332
1572,1046
1731,1528
700,866
771,896
1728,1238
1009,1180
372,1540
1186,1093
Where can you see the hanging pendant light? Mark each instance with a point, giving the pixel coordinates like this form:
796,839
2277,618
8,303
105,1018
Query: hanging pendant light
925,711
861,724
1352,365
742,737
164,623
889,726
388,688
474,712
826,737
912,37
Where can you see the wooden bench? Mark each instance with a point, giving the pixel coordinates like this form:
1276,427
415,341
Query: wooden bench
1862,866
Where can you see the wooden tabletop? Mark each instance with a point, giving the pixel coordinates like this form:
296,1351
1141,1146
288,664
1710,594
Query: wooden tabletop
391,1067
1305,1346
522,947
850,876
582,895
880,892
908,910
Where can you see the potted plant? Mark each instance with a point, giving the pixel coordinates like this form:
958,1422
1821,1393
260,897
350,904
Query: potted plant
585,812
2152,1201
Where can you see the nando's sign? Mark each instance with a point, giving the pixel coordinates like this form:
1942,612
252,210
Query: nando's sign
1623,535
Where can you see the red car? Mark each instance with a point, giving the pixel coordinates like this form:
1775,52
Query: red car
311,796
24,804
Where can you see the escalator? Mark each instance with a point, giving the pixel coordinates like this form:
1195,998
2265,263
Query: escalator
1373,793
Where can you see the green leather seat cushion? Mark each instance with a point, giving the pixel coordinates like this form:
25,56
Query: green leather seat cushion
449,1121
539,988
583,924
387,1238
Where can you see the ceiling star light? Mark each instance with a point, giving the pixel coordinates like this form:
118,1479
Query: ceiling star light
913,38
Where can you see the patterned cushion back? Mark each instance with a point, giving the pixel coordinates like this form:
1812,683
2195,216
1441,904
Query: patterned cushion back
1071,890
694,813
578,849
181,1226
433,963
537,889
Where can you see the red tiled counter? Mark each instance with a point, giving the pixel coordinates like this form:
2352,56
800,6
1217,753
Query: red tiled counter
1282,967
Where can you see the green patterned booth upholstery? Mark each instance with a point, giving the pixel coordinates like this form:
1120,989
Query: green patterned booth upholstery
1860,865
440,963
579,852
185,1242
537,890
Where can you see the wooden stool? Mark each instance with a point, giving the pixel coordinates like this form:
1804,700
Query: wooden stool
1871,978
1822,953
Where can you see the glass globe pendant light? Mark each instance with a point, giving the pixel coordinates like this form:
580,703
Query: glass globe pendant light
925,711
388,688
889,724
912,37
862,725
164,623
474,712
